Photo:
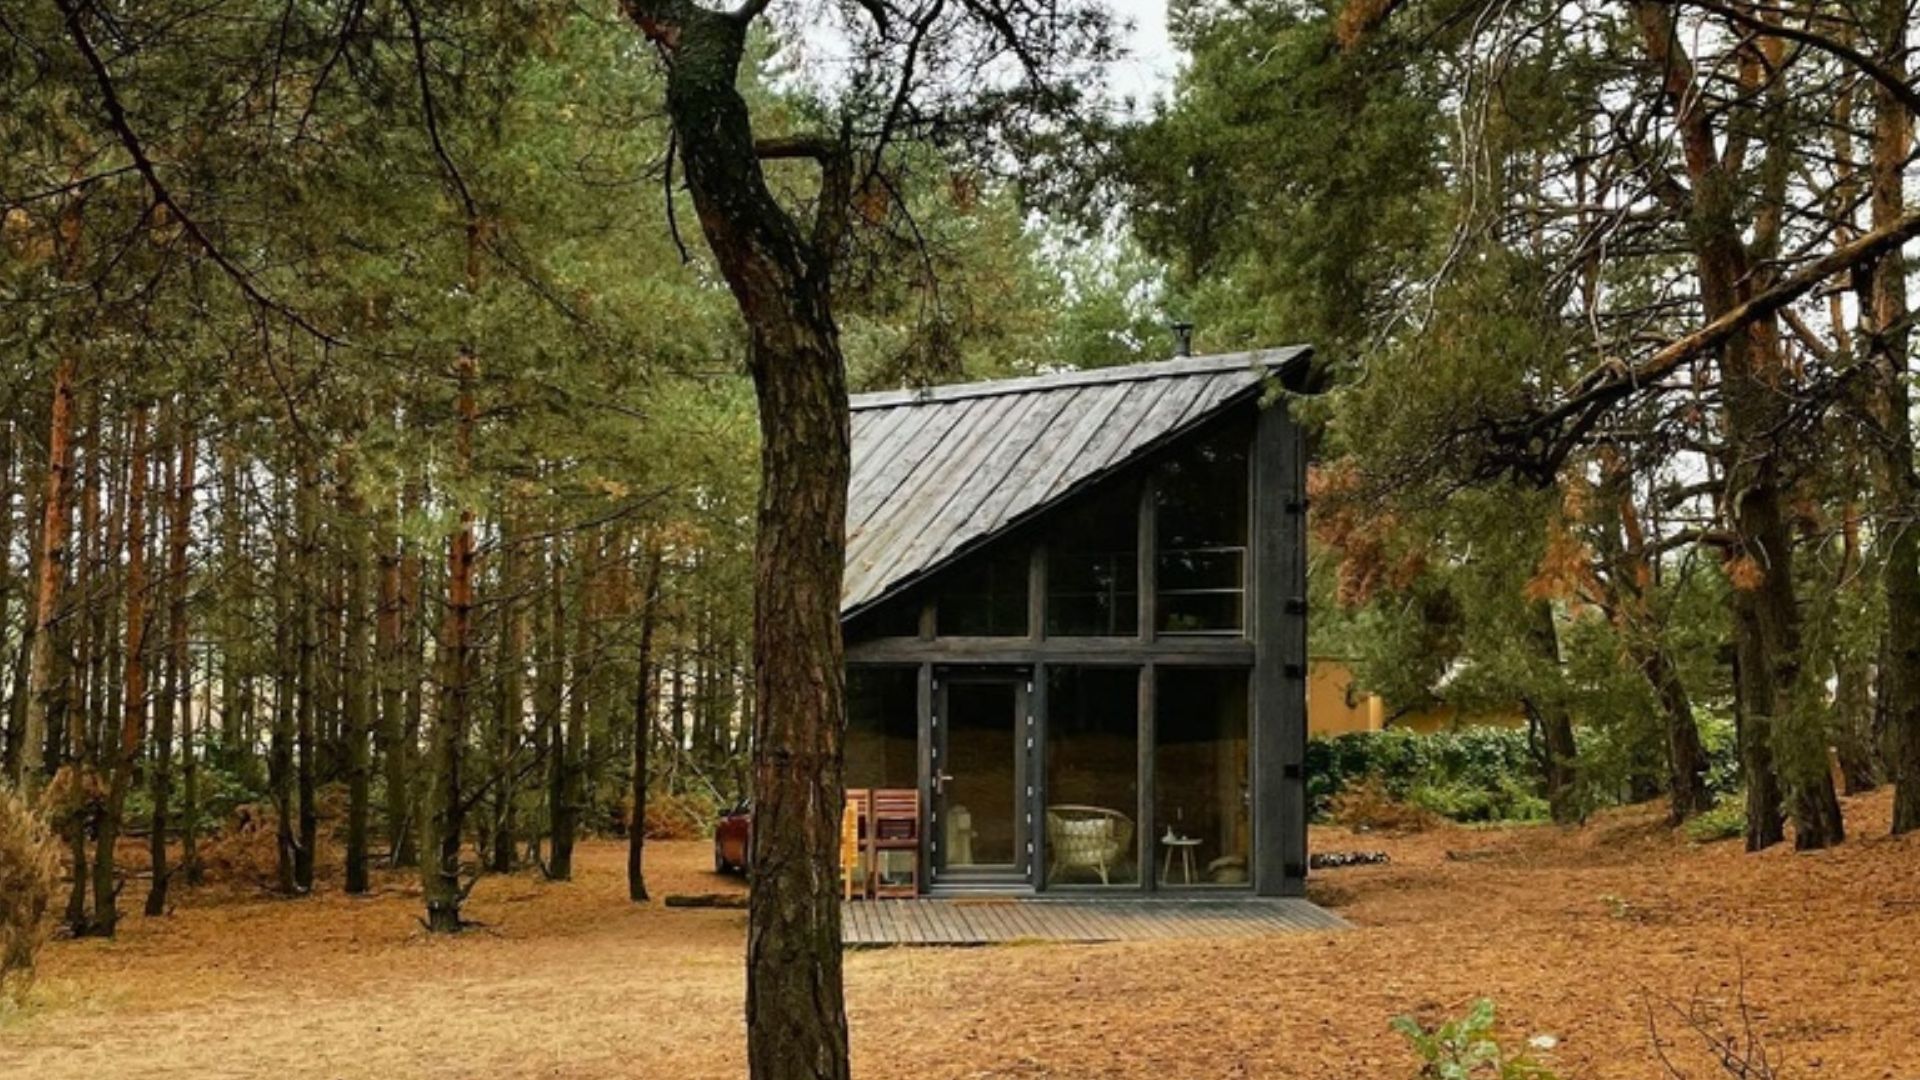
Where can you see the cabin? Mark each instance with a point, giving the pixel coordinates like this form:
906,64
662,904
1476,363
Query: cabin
1075,616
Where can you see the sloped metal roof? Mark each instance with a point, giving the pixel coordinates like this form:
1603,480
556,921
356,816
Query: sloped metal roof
936,472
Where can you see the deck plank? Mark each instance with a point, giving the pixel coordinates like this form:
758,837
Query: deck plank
933,921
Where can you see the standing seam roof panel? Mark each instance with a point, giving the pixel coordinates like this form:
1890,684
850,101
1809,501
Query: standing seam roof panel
938,472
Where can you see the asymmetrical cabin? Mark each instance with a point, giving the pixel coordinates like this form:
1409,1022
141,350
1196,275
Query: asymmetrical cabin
1076,626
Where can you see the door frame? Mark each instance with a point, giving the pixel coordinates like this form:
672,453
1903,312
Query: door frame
1020,875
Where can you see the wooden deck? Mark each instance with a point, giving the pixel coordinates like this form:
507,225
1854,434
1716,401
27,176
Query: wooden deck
870,923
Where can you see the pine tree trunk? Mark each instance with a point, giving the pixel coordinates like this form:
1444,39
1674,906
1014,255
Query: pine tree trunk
355,686
307,688
395,753
133,717
510,706
1888,346
442,866
282,738
1783,747
160,770
49,575
551,693
80,744
643,695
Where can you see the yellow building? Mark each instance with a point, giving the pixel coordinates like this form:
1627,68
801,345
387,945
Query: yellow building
1336,705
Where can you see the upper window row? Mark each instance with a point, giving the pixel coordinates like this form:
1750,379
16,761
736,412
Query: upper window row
1200,511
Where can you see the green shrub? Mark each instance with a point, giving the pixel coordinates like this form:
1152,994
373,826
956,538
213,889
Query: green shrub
1475,774
1726,821
1466,1049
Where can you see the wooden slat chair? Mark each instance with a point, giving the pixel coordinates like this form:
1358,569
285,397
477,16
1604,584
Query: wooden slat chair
896,828
856,824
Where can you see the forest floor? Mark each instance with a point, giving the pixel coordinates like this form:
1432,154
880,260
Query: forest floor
1600,939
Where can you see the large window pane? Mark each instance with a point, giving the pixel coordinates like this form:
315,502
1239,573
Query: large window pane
883,727
1093,775
1201,794
1093,574
985,596
1200,514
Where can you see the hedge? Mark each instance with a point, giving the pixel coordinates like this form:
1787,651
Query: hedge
1475,774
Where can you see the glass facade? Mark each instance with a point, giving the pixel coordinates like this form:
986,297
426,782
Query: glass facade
978,792
1093,567
883,727
985,596
1076,799
1201,506
1093,775
1202,794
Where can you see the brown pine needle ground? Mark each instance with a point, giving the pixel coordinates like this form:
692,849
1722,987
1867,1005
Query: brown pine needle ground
1580,935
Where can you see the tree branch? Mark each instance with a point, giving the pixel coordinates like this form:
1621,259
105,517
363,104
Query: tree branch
1608,385
1840,50
123,131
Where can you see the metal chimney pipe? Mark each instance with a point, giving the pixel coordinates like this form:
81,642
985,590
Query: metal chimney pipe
1182,339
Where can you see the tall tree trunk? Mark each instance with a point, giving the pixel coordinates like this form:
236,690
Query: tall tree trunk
569,789
1888,344
442,866
1782,745
1558,751
551,693
395,753
510,706
160,769
354,684
285,709
80,752
308,578
49,575
133,717
643,695
782,280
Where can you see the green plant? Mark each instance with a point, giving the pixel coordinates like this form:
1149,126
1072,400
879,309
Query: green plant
1726,821
1466,1048
1495,761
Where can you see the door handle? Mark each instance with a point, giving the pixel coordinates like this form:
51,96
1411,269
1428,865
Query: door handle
940,782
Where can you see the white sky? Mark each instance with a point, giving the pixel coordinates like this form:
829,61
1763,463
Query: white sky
1151,61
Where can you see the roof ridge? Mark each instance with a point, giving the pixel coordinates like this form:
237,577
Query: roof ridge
1178,367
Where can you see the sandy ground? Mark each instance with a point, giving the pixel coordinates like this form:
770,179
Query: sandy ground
1603,938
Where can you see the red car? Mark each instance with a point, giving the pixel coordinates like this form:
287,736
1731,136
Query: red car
732,838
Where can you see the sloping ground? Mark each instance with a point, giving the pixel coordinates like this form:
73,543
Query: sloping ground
1592,936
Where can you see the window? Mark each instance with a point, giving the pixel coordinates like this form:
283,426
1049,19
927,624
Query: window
1200,515
985,596
883,727
1093,567
1093,775
896,618
1202,797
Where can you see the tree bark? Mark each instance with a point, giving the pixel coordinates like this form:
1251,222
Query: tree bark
282,737
49,575
160,768
355,686
307,687
441,869
781,280
133,717
643,696
1782,744
1887,342
510,708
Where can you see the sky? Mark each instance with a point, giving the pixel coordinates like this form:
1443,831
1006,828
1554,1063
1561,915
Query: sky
1148,70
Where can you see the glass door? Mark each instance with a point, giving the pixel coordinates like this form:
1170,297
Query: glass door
980,823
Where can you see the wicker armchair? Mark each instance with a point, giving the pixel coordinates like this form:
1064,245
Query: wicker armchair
1087,838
